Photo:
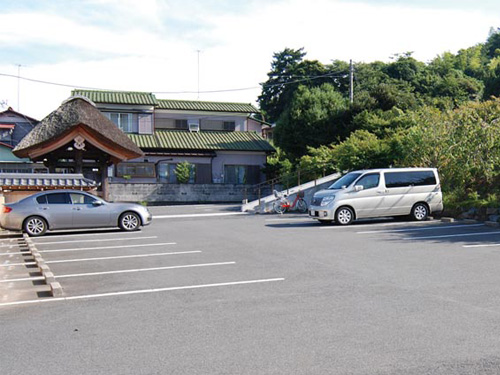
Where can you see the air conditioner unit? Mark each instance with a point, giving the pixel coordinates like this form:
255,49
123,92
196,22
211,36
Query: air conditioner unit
194,126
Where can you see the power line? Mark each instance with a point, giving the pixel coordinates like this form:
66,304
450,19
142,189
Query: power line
263,85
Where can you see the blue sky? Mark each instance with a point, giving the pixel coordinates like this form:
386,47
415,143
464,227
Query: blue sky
152,45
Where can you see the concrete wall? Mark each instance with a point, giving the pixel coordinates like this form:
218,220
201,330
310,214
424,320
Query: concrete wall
177,193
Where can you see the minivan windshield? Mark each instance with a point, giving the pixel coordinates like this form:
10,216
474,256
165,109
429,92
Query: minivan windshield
345,180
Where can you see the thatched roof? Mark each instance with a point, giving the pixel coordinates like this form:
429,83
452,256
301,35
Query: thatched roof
76,111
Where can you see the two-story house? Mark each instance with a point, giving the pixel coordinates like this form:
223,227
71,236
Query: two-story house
13,127
221,141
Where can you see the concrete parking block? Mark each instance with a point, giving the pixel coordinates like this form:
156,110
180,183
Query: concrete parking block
493,224
44,269
56,289
49,278
447,219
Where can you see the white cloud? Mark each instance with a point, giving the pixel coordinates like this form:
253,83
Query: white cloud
155,45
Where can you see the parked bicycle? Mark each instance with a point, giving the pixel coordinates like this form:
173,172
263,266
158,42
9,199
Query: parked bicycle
283,204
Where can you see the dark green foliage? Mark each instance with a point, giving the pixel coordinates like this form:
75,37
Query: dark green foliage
314,117
492,45
405,113
288,72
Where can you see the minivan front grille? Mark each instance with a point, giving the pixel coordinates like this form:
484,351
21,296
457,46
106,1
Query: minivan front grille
316,201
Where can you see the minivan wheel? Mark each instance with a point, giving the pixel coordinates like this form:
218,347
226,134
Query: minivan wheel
35,226
419,212
344,216
129,221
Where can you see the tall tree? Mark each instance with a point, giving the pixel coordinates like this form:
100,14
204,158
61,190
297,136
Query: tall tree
288,71
316,116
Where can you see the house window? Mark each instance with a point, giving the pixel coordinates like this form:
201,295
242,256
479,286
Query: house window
241,174
181,124
122,120
166,173
218,125
199,173
130,170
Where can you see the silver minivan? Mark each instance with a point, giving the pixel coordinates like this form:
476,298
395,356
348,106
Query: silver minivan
377,193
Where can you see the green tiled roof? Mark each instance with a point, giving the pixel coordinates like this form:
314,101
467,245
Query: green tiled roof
203,140
186,105
118,97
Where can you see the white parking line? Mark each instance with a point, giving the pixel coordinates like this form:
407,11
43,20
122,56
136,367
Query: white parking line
291,219
34,278
99,240
106,247
74,234
483,245
421,229
455,235
143,291
199,215
144,270
354,226
101,258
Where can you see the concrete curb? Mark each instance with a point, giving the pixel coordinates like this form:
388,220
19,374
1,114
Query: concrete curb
493,224
30,248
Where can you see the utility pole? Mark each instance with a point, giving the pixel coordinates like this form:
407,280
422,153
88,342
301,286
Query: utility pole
351,82
18,87
198,73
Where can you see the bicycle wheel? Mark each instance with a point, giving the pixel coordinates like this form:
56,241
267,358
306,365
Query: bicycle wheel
278,208
301,205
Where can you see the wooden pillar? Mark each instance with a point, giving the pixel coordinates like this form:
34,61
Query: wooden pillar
51,164
103,166
78,161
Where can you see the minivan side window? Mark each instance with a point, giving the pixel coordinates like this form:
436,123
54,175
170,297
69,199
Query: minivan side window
405,179
369,181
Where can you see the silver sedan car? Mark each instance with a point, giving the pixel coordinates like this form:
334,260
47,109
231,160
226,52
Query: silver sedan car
70,209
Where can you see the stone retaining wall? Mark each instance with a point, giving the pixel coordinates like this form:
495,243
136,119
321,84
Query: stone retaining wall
179,193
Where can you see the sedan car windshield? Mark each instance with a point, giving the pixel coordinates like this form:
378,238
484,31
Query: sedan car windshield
344,181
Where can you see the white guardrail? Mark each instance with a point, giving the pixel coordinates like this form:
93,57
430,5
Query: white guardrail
264,204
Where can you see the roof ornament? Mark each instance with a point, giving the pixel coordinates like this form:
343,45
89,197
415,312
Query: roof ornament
79,143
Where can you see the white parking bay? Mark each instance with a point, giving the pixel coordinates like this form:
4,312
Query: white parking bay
463,233
113,263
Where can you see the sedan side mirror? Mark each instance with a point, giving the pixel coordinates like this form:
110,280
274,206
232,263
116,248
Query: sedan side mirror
97,203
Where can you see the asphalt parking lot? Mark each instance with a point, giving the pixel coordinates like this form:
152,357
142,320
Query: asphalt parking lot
206,289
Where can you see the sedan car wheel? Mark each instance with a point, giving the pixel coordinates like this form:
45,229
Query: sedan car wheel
129,221
35,226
